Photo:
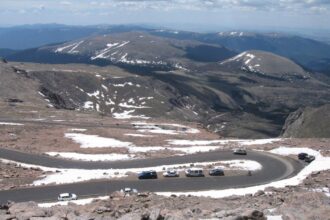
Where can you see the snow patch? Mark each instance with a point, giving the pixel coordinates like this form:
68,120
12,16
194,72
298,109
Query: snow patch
77,202
241,142
274,217
91,157
127,115
95,141
9,123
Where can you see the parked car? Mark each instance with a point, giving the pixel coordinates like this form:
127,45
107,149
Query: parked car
309,158
151,174
194,172
240,151
129,191
302,156
216,172
171,173
67,197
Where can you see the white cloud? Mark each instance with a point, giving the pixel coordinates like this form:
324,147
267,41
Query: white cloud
65,3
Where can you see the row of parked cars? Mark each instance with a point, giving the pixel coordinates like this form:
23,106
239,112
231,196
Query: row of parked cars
191,172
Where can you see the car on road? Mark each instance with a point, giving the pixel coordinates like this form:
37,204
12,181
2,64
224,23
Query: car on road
309,158
67,197
194,172
302,156
129,191
216,172
240,151
150,174
171,173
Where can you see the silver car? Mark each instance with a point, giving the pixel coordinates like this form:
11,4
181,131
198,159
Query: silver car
67,197
171,173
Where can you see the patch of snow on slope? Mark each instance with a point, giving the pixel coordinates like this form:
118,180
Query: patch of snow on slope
105,88
94,94
9,123
235,58
127,115
123,84
195,149
241,142
249,57
73,49
91,157
138,135
274,217
102,53
60,49
319,164
77,202
88,105
91,141
78,129
125,105
244,164
94,141
171,129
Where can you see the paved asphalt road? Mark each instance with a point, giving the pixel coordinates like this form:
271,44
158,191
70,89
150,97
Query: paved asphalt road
274,168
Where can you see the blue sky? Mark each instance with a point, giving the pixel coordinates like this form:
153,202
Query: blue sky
193,14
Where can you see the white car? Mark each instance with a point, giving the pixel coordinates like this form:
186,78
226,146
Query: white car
67,197
194,172
171,173
128,190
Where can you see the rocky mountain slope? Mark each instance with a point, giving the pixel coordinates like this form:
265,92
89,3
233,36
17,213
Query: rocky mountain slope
154,74
227,97
265,63
16,86
308,123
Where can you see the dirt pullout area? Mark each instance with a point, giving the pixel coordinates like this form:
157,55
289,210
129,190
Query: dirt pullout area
289,203
45,132
14,176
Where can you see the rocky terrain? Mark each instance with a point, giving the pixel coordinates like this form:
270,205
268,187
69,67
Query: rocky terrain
12,176
286,202
308,122
247,96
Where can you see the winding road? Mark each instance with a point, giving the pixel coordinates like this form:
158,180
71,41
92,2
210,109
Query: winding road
274,168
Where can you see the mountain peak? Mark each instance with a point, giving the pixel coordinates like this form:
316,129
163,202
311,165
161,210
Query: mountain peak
265,63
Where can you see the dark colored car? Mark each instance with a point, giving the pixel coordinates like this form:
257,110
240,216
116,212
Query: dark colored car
148,175
216,172
302,156
309,158
240,151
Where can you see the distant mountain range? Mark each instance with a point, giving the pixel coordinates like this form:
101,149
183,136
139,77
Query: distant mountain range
311,54
129,48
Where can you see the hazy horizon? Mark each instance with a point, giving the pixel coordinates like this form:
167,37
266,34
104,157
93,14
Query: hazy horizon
194,15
